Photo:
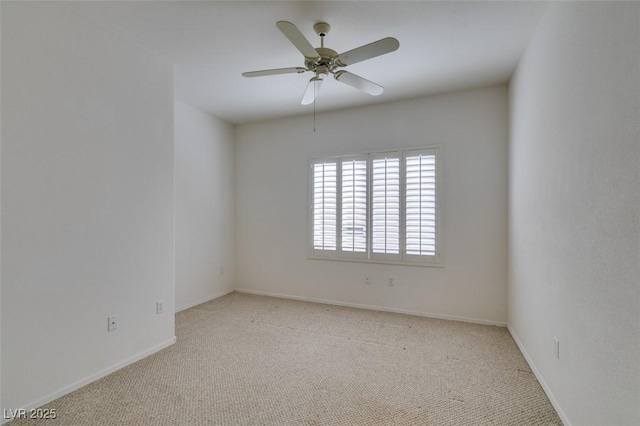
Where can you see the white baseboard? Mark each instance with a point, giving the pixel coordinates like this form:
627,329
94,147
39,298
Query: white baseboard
544,384
205,300
374,307
92,378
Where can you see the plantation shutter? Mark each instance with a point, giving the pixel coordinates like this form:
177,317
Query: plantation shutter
354,206
379,207
324,213
385,206
420,205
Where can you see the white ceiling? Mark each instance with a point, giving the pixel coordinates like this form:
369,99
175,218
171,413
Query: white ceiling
444,46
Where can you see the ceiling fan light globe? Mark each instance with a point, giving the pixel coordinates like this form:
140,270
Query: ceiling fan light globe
322,71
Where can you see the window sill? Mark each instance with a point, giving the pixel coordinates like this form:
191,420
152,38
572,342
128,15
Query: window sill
431,264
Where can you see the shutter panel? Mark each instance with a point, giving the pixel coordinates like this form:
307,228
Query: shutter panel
325,180
354,206
385,205
420,204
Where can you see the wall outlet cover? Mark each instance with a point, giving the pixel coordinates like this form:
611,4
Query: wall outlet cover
112,322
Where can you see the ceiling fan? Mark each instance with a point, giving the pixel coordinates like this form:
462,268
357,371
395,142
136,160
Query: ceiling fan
323,61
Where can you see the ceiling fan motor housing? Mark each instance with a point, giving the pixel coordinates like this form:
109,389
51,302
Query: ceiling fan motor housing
326,63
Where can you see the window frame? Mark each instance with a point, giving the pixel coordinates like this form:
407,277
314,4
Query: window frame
402,258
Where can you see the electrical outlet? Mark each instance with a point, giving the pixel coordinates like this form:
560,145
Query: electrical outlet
159,307
112,322
391,281
367,279
556,347
222,270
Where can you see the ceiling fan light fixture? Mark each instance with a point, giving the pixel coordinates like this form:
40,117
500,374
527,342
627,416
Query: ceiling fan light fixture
322,71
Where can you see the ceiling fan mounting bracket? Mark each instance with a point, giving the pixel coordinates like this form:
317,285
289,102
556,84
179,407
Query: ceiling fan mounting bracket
322,28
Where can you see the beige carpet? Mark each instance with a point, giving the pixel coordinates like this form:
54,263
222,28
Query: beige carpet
253,360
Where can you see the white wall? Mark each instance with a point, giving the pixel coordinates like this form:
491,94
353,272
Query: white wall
272,161
204,206
1,405
574,210
87,201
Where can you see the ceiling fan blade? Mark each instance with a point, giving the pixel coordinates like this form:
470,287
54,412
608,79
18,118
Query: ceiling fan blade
368,51
359,83
274,72
297,38
312,91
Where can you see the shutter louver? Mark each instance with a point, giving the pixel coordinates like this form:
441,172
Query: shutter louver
386,205
420,204
325,179
354,206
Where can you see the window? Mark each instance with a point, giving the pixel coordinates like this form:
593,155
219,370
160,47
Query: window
353,206
325,179
385,200
420,204
377,207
